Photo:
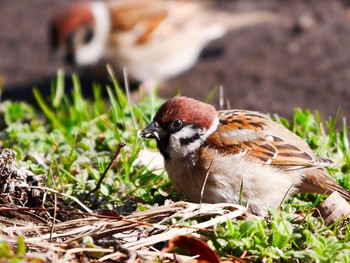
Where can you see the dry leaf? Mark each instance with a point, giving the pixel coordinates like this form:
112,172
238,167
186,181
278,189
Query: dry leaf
195,246
333,208
107,212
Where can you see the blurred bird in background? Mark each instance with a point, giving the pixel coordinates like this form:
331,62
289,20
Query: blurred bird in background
150,38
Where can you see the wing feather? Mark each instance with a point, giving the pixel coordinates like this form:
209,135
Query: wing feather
244,131
128,14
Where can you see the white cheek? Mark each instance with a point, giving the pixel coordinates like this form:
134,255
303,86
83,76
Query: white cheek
176,149
185,132
182,150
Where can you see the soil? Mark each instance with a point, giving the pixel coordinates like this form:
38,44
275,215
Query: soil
275,68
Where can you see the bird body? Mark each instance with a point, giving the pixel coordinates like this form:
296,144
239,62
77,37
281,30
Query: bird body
151,39
167,39
235,154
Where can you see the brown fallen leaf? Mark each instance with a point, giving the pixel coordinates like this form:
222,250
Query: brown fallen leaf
195,246
333,208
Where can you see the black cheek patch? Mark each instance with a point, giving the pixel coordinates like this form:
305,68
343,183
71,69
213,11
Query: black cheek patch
187,141
163,147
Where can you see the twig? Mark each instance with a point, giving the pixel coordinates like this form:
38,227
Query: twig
285,196
26,209
54,218
205,180
117,247
172,256
120,146
241,258
65,195
221,103
228,104
68,255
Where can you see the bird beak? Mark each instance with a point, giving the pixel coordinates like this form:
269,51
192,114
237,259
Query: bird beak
152,131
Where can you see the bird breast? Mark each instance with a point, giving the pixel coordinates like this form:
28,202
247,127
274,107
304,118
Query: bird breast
262,185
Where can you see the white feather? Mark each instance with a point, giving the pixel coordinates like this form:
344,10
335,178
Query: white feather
243,134
176,149
93,51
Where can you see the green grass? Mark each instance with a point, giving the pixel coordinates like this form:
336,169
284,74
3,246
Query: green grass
70,140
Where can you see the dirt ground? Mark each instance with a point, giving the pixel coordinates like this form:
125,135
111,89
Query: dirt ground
304,62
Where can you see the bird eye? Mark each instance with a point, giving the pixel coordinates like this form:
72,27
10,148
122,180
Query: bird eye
177,123
88,36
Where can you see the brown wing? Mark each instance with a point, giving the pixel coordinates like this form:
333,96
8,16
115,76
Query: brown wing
247,132
128,14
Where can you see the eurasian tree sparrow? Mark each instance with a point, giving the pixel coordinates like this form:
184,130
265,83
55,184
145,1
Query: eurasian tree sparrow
151,39
223,151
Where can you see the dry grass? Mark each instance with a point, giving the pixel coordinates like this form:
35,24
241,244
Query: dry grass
118,237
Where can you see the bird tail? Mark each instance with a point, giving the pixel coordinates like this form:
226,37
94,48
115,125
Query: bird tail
234,21
322,183
342,191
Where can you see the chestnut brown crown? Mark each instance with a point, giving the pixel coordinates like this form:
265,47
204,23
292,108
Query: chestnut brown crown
187,110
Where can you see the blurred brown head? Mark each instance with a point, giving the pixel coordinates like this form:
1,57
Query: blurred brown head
78,34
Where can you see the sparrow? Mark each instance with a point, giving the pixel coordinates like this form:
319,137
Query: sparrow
151,39
235,156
